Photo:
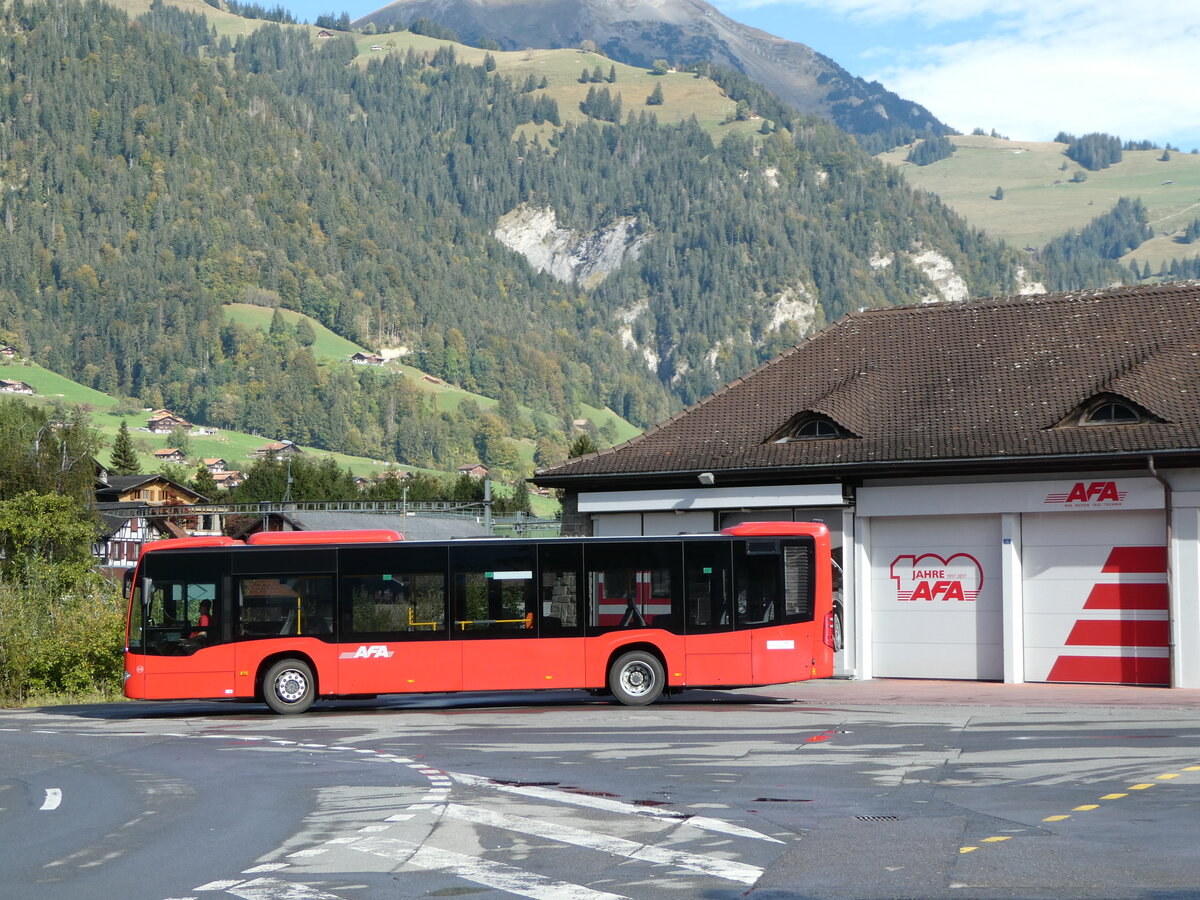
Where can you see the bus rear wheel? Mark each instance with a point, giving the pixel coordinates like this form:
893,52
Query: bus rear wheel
637,678
288,687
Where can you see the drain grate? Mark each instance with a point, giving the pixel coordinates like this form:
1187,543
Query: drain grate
878,818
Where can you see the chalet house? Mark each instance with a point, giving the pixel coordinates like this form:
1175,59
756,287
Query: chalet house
215,465
1012,486
475,470
9,352
164,422
324,35
278,450
361,483
134,509
397,475
367,359
170,455
122,535
15,387
229,479
146,490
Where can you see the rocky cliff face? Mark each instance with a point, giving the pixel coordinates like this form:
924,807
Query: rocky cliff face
681,31
570,256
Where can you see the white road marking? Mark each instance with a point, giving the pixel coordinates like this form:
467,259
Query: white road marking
274,889
489,874
616,806
578,837
53,798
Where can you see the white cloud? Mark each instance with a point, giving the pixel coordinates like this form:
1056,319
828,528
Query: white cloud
1106,74
1030,68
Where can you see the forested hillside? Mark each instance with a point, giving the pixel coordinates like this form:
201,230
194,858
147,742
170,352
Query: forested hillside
153,174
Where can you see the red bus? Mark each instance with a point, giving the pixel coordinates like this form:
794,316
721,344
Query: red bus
296,616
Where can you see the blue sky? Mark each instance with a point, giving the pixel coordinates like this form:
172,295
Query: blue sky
1026,68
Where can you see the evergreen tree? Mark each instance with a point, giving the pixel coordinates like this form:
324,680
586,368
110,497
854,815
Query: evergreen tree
305,333
180,438
656,96
203,482
930,150
124,459
582,446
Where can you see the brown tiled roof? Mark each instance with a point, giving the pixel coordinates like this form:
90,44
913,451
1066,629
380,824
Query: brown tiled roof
973,381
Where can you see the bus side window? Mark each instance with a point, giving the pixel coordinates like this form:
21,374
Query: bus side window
285,605
493,594
707,577
798,582
395,606
758,596
634,585
560,569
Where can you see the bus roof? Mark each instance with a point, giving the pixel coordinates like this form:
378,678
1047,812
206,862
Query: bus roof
289,538
776,529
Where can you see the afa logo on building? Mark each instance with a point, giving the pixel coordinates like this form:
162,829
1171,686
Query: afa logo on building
930,577
1089,495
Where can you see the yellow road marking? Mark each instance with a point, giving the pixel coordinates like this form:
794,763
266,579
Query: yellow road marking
1113,796
1086,807
1167,776
966,849
993,840
1140,787
1055,818
1191,768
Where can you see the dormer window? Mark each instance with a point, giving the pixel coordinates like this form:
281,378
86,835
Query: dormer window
1112,412
1108,409
809,427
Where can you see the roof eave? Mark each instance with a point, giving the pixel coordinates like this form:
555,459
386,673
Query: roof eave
857,471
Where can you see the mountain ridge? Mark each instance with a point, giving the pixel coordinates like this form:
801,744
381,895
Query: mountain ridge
682,31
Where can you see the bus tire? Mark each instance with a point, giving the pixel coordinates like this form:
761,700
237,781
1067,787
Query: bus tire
288,687
637,678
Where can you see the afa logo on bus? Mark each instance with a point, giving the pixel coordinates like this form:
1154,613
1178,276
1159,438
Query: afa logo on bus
369,651
932,577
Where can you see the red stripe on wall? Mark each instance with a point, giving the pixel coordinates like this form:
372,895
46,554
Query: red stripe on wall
1127,633
1112,670
1137,559
1127,596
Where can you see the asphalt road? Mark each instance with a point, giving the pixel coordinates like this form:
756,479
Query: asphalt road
831,789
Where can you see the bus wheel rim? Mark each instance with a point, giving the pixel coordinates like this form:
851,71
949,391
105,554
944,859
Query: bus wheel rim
291,686
637,679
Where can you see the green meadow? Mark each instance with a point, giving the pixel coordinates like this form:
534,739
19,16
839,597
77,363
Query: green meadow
1042,202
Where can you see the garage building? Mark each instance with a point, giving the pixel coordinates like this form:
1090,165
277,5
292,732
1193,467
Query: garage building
1013,485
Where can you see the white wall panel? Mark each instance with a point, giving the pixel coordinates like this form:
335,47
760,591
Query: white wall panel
1095,590
952,627
677,523
617,524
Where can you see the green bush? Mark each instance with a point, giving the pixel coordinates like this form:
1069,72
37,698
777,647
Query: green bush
60,636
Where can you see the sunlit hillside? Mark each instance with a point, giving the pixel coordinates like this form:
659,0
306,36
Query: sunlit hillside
1041,201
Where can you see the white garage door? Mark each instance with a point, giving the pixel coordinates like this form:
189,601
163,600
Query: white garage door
935,597
1096,597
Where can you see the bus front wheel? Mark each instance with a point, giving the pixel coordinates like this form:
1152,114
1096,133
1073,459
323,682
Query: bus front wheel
637,678
288,687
